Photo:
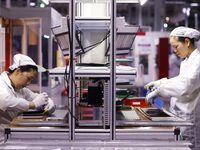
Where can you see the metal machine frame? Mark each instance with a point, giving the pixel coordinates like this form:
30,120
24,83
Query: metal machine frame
141,133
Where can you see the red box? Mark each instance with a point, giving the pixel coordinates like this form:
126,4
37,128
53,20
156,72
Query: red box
136,102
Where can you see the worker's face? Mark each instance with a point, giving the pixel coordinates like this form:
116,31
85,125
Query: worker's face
180,48
23,79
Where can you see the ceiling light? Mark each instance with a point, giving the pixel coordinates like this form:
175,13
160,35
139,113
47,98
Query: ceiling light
186,11
142,2
194,4
32,4
46,36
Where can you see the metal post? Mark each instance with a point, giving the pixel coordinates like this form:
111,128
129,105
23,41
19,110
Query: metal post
196,20
72,91
113,69
28,3
186,20
159,17
8,4
140,15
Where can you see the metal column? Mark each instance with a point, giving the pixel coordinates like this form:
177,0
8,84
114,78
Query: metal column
72,92
113,71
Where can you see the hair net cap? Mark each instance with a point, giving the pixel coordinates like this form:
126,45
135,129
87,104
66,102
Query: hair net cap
186,32
23,60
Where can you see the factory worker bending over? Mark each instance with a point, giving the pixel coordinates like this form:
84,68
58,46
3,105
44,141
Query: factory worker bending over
184,89
15,97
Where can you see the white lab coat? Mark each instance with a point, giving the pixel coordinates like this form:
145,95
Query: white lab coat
14,101
185,92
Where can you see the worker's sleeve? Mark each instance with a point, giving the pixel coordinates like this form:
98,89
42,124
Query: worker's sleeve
16,104
3,101
182,85
10,102
19,103
29,95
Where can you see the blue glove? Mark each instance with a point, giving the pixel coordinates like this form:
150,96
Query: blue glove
153,95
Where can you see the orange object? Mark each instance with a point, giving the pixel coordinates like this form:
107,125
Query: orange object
136,102
66,60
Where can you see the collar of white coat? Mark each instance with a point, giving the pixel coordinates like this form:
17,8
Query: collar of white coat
193,54
7,80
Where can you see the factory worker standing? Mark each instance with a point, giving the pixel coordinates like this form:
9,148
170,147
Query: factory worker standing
184,89
15,97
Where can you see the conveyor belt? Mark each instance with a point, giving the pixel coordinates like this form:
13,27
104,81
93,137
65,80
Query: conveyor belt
127,115
58,115
57,119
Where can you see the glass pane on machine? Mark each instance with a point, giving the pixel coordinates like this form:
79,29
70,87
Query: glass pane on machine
32,44
143,59
16,43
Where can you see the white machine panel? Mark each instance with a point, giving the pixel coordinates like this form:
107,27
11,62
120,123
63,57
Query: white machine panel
2,46
145,48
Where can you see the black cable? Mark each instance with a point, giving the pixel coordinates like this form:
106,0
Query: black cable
94,45
66,77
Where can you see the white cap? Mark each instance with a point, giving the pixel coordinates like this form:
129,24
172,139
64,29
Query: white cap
23,60
186,32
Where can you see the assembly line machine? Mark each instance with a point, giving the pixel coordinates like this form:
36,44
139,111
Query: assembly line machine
115,126
137,127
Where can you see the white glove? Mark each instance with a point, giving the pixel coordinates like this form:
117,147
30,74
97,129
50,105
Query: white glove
153,94
155,84
41,99
50,107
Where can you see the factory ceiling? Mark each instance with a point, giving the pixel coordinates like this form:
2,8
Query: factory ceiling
174,9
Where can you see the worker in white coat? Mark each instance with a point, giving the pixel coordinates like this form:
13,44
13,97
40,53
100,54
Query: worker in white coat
15,97
184,89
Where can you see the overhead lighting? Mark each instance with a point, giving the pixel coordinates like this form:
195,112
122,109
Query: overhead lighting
194,4
46,36
32,4
46,2
186,11
142,2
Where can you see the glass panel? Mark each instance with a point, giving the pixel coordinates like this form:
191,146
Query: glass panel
143,59
45,60
32,44
16,43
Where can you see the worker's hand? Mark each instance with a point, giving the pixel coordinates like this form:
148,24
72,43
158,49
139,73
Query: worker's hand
41,99
155,84
153,94
50,107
